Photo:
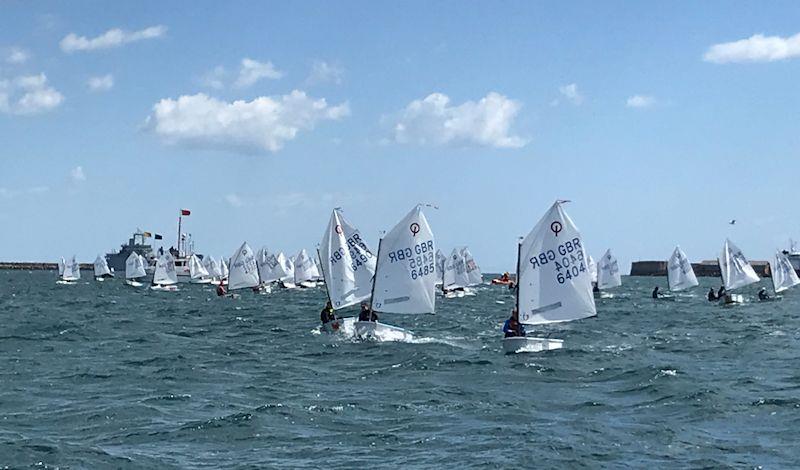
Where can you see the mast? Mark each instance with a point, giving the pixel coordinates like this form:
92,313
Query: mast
324,277
180,218
519,254
375,276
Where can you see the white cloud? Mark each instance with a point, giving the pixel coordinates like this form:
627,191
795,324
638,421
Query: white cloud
640,101
101,83
265,123
756,48
17,55
434,121
252,71
234,200
6,193
77,174
215,79
28,94
111,38
571,93
324,72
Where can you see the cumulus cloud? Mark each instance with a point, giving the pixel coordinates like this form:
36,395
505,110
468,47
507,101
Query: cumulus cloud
28,94
571,93
324,72
77,175
252,71
435,121
640,101
263,124
17,55
101,83
756,48
234,200
110,39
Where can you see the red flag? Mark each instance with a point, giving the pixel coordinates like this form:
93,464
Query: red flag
186,212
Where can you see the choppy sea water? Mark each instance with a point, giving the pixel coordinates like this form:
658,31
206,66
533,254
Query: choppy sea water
101,375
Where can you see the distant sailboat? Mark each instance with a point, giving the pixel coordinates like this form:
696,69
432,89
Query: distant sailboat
70,273
305,271
405,276
608,275
680,274
223,271
783,274
456,278
592,267
348,267
198,274
101,269
554,284
265,263
736,272
473,270
213,268
286,268
165,277
134,270
441,260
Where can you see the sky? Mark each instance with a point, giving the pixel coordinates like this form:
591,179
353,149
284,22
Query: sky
661,122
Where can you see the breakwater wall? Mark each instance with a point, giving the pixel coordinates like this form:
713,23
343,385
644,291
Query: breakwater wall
704,269
28,266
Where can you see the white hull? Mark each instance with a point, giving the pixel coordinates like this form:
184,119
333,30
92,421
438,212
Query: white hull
264,289
345,326
288,285
133,283
168,288
526,344
308,284
200,281
731,299
381,332
66,282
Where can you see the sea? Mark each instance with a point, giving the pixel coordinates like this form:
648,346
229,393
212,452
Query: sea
102,375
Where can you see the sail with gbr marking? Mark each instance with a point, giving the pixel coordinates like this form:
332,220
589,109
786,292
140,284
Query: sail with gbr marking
554,281
348,264
405,274
608,274
243,269
783,273
734,267
680,274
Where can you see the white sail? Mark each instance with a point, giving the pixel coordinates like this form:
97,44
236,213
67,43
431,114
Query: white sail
473,270
269,268
72,270
165,273
62,264
212,266
134,267
554,280
680,274
304,267
441,260
405,275
783,274
196,268
592,267
608,275
223,269
348,264
101,267
455,271
285,268
734,267
243,269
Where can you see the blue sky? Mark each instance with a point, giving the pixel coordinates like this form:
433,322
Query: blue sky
261,117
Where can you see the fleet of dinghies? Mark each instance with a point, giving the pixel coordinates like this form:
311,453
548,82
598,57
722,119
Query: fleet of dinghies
555,276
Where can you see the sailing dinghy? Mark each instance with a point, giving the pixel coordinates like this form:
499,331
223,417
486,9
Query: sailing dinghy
473,270
286,267
305,271
134,270
348,267
405,277
456,278
101,269
680,274
165,277
198,274
243,270
70,273
554,284
783,274
608,275
736,273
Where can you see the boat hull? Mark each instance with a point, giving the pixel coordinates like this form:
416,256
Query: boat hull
381,332
344,326
133,283
731,299
527,344
168,288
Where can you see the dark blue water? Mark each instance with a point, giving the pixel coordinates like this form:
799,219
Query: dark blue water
99,375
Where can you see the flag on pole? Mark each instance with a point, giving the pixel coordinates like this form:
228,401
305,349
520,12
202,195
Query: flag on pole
147,234
158,237
186,212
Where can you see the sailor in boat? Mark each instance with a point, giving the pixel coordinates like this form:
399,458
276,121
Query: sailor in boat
712,296
221,290
721,292
512,327
367,314
762,294
327,314
656,293
595,289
